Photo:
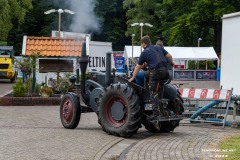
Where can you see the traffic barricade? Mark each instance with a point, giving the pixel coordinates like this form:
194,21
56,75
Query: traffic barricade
207,105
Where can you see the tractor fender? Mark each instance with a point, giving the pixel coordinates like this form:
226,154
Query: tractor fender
170,92
94,97
90,85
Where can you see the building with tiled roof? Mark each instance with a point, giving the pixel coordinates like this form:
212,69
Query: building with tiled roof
52,46
59,55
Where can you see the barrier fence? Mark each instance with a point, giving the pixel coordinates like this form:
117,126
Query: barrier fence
184,74
207,105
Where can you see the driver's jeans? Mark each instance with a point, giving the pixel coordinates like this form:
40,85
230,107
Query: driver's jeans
156,80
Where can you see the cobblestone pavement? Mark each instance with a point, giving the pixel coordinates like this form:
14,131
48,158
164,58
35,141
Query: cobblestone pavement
29,133
35,132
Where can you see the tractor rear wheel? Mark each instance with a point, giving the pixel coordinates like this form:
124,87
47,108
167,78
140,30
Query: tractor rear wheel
120,112
178,109
70,111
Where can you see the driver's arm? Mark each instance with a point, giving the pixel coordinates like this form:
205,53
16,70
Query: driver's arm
136,70
169,57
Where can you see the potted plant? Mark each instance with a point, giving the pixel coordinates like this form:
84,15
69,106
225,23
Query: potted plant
46,92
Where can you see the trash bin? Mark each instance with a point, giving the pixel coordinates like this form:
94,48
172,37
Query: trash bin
218,74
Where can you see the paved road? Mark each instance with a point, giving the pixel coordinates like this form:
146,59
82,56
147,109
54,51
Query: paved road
35,132
5,86
29,133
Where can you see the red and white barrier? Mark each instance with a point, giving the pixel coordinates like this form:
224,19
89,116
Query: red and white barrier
215,94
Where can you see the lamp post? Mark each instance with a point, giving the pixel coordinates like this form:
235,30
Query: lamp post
199,39
60,11
141,25
133,35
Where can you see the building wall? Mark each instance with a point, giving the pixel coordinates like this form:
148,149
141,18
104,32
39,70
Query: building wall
230,58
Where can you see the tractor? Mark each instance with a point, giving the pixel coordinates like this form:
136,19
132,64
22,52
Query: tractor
122,107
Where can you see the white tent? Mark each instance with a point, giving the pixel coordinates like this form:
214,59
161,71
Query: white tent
178,53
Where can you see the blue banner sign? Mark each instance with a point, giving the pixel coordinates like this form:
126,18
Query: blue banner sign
119,62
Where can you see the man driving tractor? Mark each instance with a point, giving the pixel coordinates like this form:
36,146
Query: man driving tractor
154,59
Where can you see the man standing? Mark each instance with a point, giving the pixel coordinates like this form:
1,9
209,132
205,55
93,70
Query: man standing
170,63
158,73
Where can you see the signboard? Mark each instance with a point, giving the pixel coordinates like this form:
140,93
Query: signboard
206,75
179,66
97,55
187,75
119,62
117,54
195,74
55,65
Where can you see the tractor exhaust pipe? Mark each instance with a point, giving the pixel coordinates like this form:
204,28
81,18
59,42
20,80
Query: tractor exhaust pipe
108,69
83,61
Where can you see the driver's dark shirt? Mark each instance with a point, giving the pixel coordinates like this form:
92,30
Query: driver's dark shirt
149,55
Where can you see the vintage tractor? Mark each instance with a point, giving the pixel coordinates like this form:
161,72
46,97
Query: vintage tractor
122,107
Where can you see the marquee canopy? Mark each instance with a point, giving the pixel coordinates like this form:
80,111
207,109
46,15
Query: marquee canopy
179,53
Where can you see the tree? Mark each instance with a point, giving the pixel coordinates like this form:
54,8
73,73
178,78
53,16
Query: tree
181,22
38,24
203,20
113,23
12,11
141,11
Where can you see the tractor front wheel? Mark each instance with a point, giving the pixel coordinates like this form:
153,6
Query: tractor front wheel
70,111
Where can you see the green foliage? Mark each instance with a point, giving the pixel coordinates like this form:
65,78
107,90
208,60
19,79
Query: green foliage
65,86
46,92
180,22
19,89
38,88
202,65
3,43
176,22
141,11
28,66
28,63
114,25
38,24
12,11
28,84
64,83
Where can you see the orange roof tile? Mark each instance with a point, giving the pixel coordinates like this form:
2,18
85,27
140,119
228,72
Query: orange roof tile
51,46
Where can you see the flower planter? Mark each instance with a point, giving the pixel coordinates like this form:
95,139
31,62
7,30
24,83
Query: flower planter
33,100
